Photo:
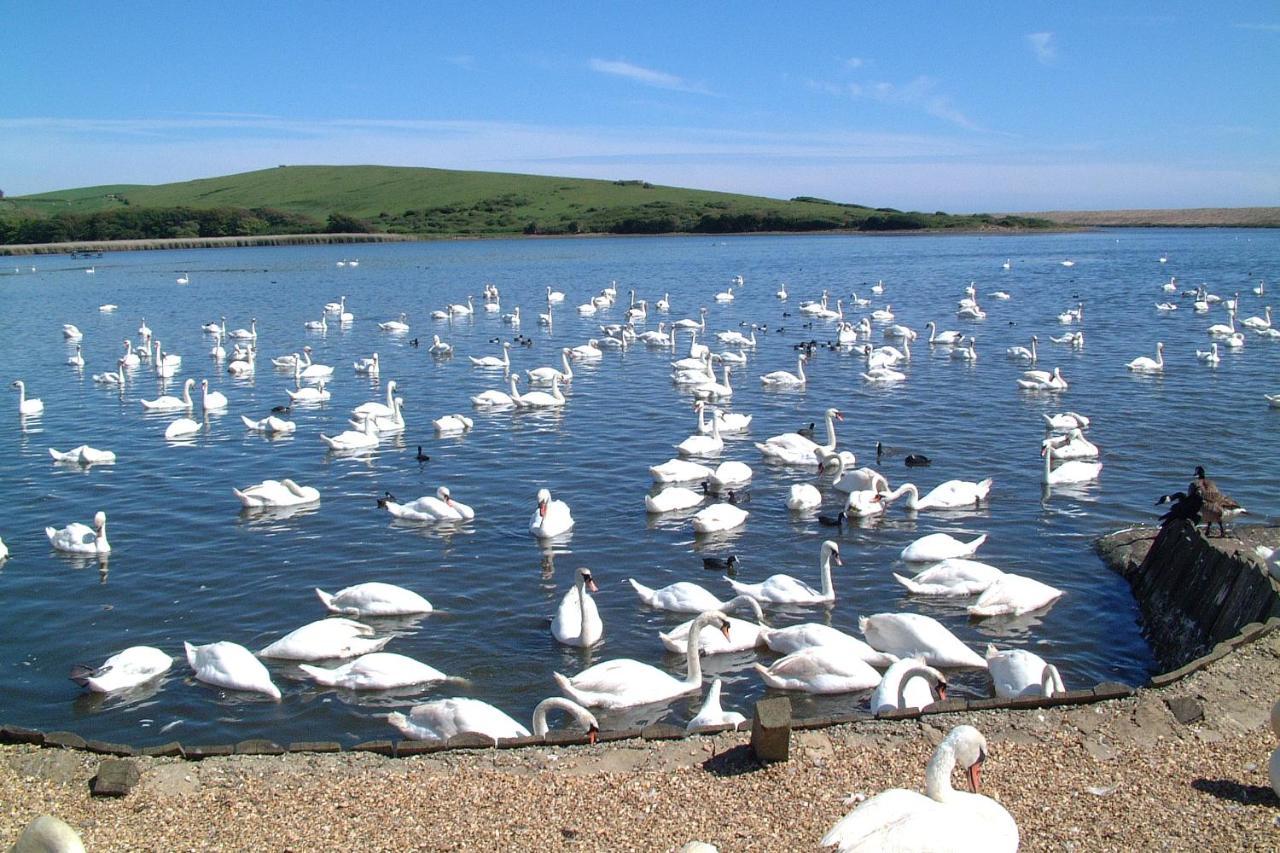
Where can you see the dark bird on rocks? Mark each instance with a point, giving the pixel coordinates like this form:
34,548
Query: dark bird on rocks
1182,506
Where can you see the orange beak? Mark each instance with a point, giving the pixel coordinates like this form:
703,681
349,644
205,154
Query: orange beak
591,735
724,629
839,416
975,776
542,510
591,585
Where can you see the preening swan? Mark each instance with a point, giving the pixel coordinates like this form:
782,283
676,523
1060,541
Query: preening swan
712,714
1065,421
940,546
577,621
326,638
672,499
83,455
1073,445
272,493
803,496
794,449
784,589
441,507
1017,673
719,517
375,671
820,670
449,424
77,538
742,635
911,634
124,670
793,638
679,471
953,494
374,599
232,666
27,405
269,424
625,683
441,719
943,818
1013,595
551,518
909,683
953,577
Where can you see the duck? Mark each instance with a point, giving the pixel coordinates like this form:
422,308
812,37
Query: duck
626,683
428,508
803,496
953,577
914,634
124,670
794,449
577,621
551,518
728,565
375,671
719,517
1145,364
1019,674
673,499
230,665
1069,471
679,471
899,819
83,455
337,637
448,424
712,714
784,589
937,547
77,538
275,493
953,494
1013,595
908,683
441,719
820,670
27,405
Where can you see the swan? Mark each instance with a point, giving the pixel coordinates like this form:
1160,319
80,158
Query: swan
729,475
1066,421
115,379
166,364
857,480
130,358
554,297
942,818
169,403
321,325
782,378
71,332
77,360
719,517
953,577
681,597
898,330
243,369
1257,323
441,719
784,589
966,353
1043,380
287,362
1234,341
1166,306
672,499
948,338
219,329
77,538
249,334
820,670
439,347
736,338
269,424
27,406
742,635
375,409
492,361
447,424
493,399
1224,330
953,494
271,493
1145,364
211,401
544,375
1073,445
428,508
1018,674
182,428
337,637
108,307
312,371
712,714
368,366
1013,595
625,683
712,390
590,351
1070,471
1209,356
398,326
908,683
577,621
384,424
911,634
724,421
803,496
725,295
551,518
124,670
700,324
374,599
375,671
311,394
702,445
232,666
794,449
793,638
937,547
679,471
460,310
365,439
218,351
883,315
884,375
83,455
542,399
1023,353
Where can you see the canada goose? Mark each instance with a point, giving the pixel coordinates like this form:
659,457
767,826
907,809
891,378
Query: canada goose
1216,506
1183,506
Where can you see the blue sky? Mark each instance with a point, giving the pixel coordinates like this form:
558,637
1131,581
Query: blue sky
936,106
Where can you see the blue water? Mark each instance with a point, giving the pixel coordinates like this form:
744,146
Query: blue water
186,565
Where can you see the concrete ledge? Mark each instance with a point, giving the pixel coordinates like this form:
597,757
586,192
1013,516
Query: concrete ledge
380,747
315,746
66,740
103,748
18,734
661,731
172,749
197,753
259,747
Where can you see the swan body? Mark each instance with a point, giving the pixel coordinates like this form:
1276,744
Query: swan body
856,480
947,338
243,369
83,455
1257,323
77,538
27,405
679,471
1209,356
1013,595
699,444
883,375
115,379
375,671
494,399
577,621
551,518
453,423
368,366
784,589
672,499
108,307
728,475
1018,674
439,347
441,507
269,424
77,360
492,361
124,670
912,634
941,819
542,399
940,546
953,494
1145,364
271,493
681,597
232,666
374,599
782,378
793,638
311,394
398,325
211,401
460,310
324,639
822,670
1043,380
249,334
712,390
441,719
803,496
71,332
742,635
365,439
321,325
374,409
1070,471
952,577
182,428
719,517
1065,421
731,422
794,449
1024,353
626,683
908,683
1073,445
590,351
712,714
544,375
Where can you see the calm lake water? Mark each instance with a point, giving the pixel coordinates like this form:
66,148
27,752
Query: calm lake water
187,565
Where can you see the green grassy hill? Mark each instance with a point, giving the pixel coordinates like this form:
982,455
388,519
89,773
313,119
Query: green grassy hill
443,202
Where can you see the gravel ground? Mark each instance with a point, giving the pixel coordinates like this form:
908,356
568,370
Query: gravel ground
1120,775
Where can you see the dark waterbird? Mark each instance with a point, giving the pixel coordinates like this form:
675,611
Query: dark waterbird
281,410
1183,506
734,496
721,564
1216,506
386,496
917,460
807,431
836,520
422,457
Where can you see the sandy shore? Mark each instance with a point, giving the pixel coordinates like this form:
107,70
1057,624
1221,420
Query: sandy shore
1119,775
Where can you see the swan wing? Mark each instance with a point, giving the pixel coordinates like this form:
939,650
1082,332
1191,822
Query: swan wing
912,634
896,819
1012,595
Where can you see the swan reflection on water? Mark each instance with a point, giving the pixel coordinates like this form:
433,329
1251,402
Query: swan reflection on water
271,516
83,561
92,702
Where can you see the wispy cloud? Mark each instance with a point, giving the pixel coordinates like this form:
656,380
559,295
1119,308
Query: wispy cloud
647,76
855,62
1044,47
919,94
1262,28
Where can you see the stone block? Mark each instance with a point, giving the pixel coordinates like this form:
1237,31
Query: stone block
66,740
1112,690
771,730
18,734
899,714
661,731
407,748
259,746
712,729
1072,697
116,777
172,749
991,703
471,740
378,747
567,737
606,735
519,742
957,705
213,750
102,747
315,746
1185,709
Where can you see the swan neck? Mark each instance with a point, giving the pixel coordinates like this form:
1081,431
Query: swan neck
540,727
693,661
913,672
824,566
937,776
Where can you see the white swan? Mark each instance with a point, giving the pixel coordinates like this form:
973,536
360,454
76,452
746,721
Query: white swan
857,480
742,635
369,366
953,494
181,428
802,496
211,401
947,338
577,621
1013,595
909,683
1018,673
124,670
83,455
325,638
1023,353
441,507
441,719
317,393
374,409
1065,421
1070,471
1043,380
232,666
366,439
374,599
321,325
494,399
459,310
712,714
680,597
793,638
794,449
398,325
449,424
71,332
884,375
249,334
718,517
784,589
243,369
940,546
821,670
679,471
953,577
943,818
77,360
625,683
1224,330
1209,356
77,538
27,406
542,399
712,390
439,347
492,361
375,671
384,424
271,493
544,375
551,518
1145,364
115,379
732,422
783,378
269,424
590,351
1072,445
699,444
911,634
672,499
1257,323
729,475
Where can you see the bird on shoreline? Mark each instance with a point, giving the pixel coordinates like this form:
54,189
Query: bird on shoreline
1216,506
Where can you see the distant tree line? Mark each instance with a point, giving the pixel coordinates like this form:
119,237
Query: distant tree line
134,223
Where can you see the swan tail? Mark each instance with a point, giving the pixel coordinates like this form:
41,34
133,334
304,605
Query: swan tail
984,488
567,688
50,532
646,593
244,499
769,678
327,600
80,674
321,675
912,586
976,544
191,654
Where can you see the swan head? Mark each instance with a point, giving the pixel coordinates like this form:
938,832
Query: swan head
835,413
99,520
970,750
831,549
544,499
585,574
445,495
